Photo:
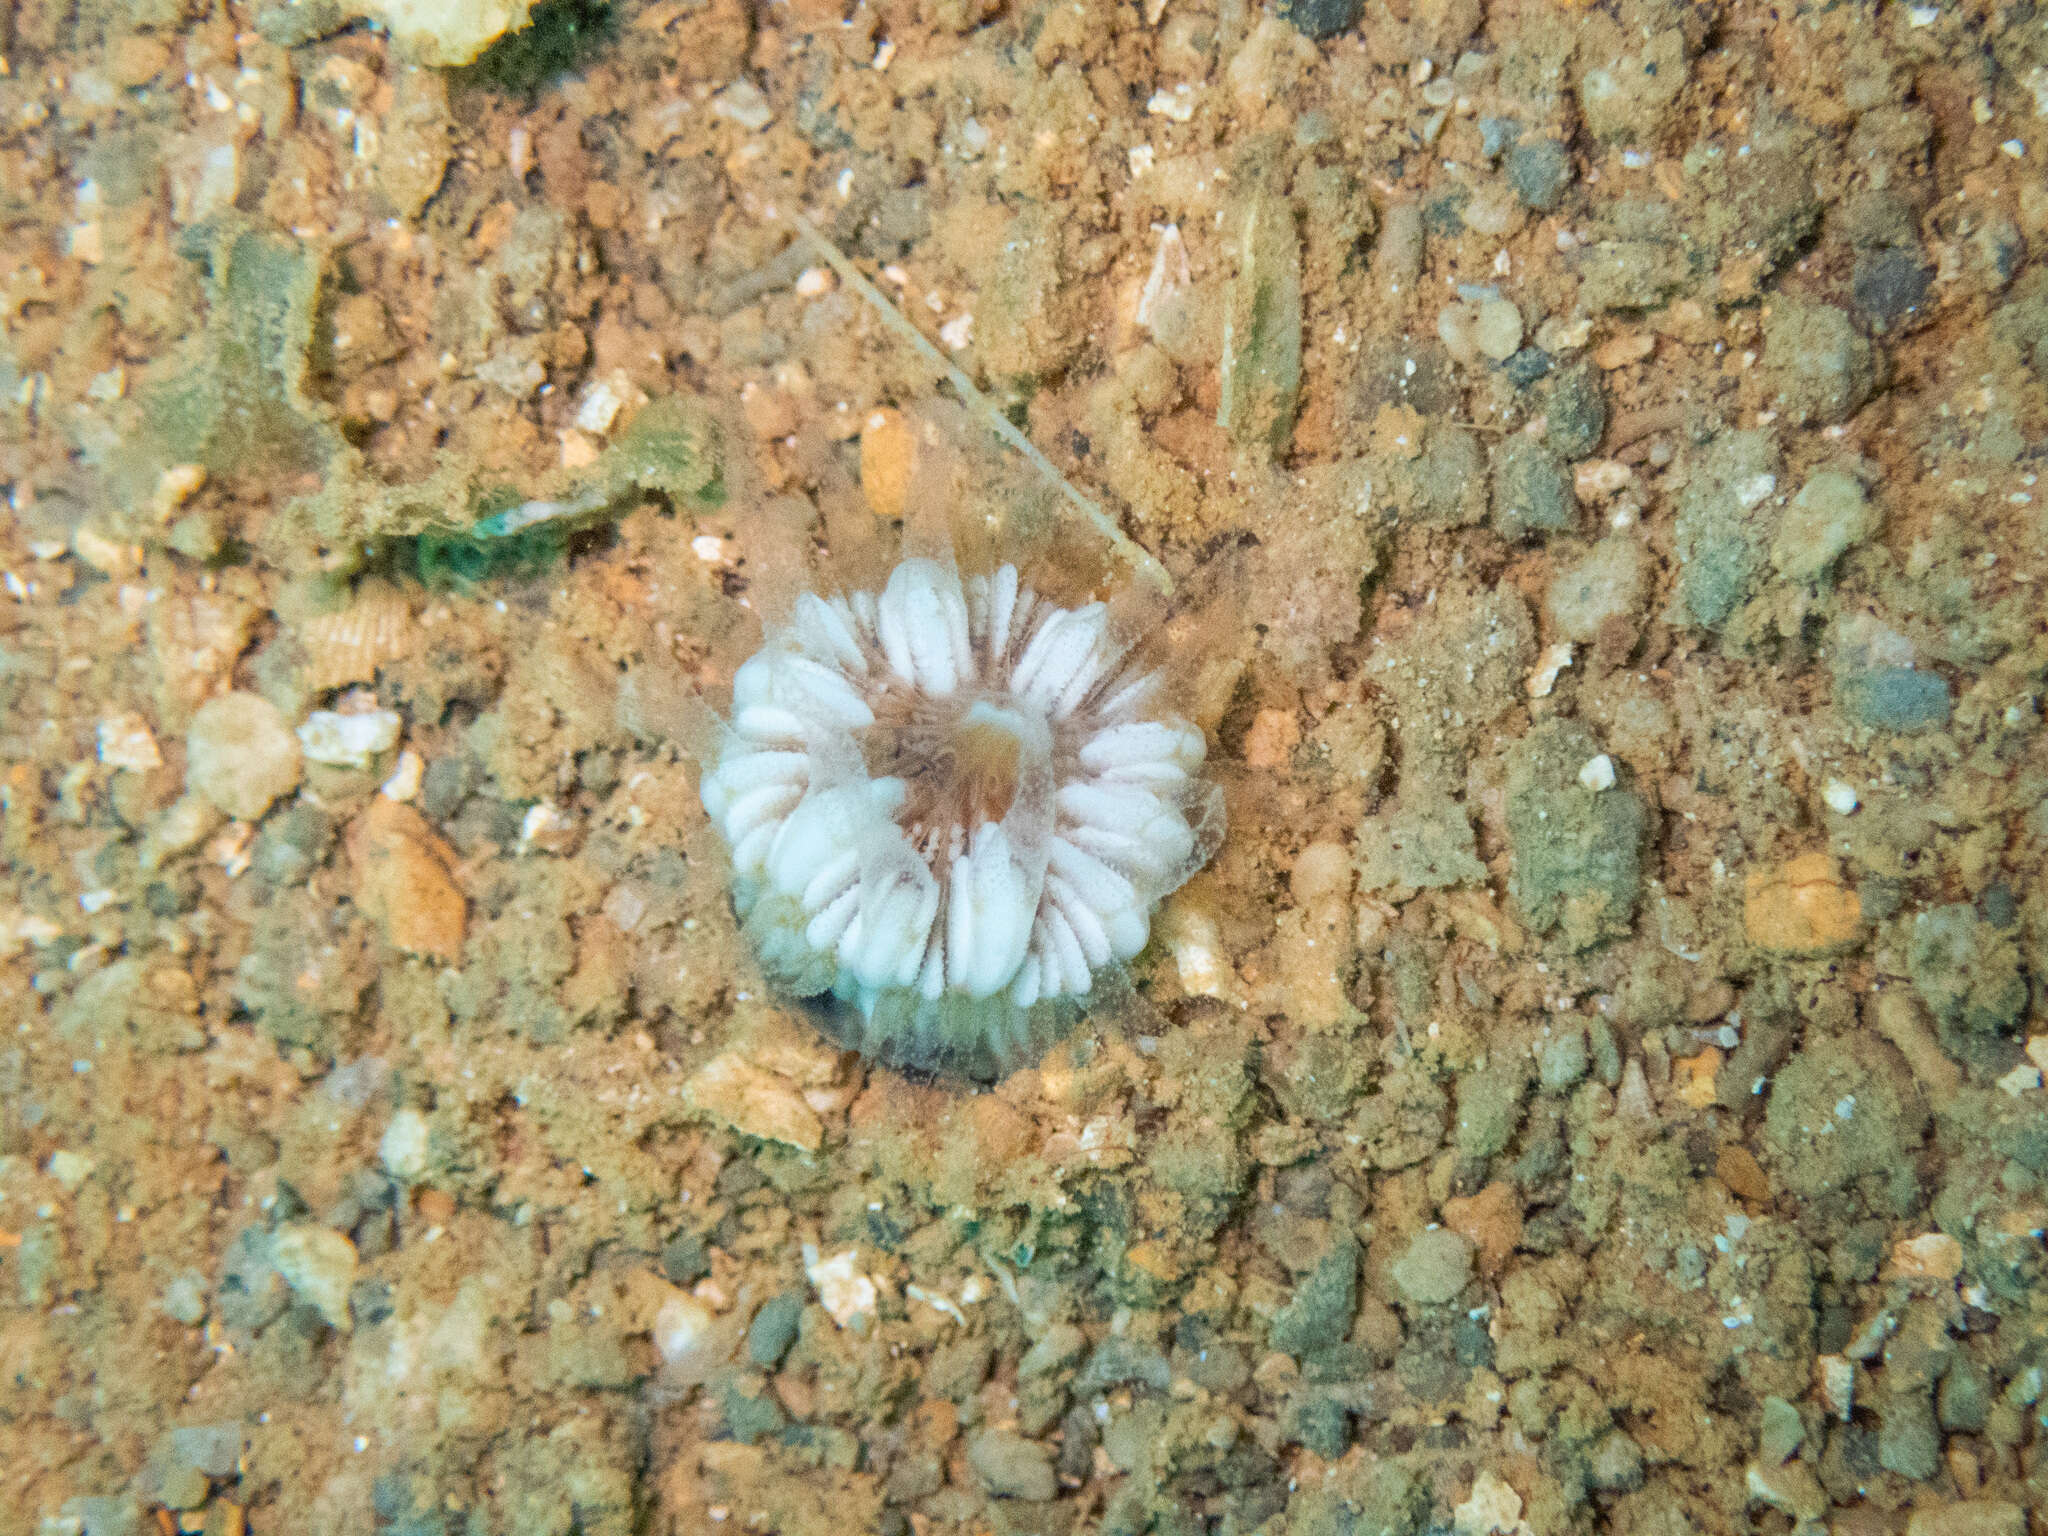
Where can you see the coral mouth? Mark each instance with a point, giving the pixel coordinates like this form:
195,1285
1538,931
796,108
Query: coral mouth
960,768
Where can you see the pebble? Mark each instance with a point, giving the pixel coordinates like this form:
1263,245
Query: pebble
1490,1220
125,742
1973,1517
1839,798
1059,1346
755,1101
1456,327
70,1169
405,881
1540,171
184,1298
686,1333
1532,492
1562,1061
1930,1256
843,1290
1835,1375
405,1145
1494,211
214,1449
319,1264
1492,1508
1790,1487
240,756
1619,351
1781,1433
1820,368
888,451
774,1329
1527,366
1497,330
1435,1267
1575,411
1011,1467
1608,582
1598,774
1905,700
1578,865
348,740
1801,907
1830,516
1320,1314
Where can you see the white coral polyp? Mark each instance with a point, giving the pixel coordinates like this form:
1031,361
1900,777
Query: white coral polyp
951,806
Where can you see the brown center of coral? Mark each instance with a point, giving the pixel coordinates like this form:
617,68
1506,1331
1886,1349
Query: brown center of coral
960,764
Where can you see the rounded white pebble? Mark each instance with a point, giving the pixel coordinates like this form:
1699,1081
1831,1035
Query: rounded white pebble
1598,774
1840,798
404,1145
683,1329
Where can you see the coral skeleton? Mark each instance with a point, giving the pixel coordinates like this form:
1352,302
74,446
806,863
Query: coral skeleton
952,806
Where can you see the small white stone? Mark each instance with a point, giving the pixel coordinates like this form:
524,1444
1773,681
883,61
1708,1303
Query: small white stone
1494,1509
1598,774
1177,104
404,1146
1196,944
1839,797
957,332
600,405
126,742
348,741
71,1169
742,103
2024,1078
1553,661
683,1329
544,827
319,1264
842,1290
1837,1384
405,778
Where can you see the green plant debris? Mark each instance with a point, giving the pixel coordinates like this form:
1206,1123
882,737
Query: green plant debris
561,36
670,450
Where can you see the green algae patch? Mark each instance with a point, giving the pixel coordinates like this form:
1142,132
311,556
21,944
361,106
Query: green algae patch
1261,364
560,36
233,398
453,529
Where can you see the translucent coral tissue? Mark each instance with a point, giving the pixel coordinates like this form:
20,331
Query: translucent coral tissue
952,806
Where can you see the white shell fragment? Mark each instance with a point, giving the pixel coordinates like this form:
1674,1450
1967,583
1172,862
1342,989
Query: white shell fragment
1598,773
348,741
950,803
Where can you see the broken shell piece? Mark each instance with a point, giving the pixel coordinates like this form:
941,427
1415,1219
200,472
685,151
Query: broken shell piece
348,740
348,647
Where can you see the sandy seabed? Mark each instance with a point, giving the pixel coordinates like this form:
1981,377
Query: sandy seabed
1597,1083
